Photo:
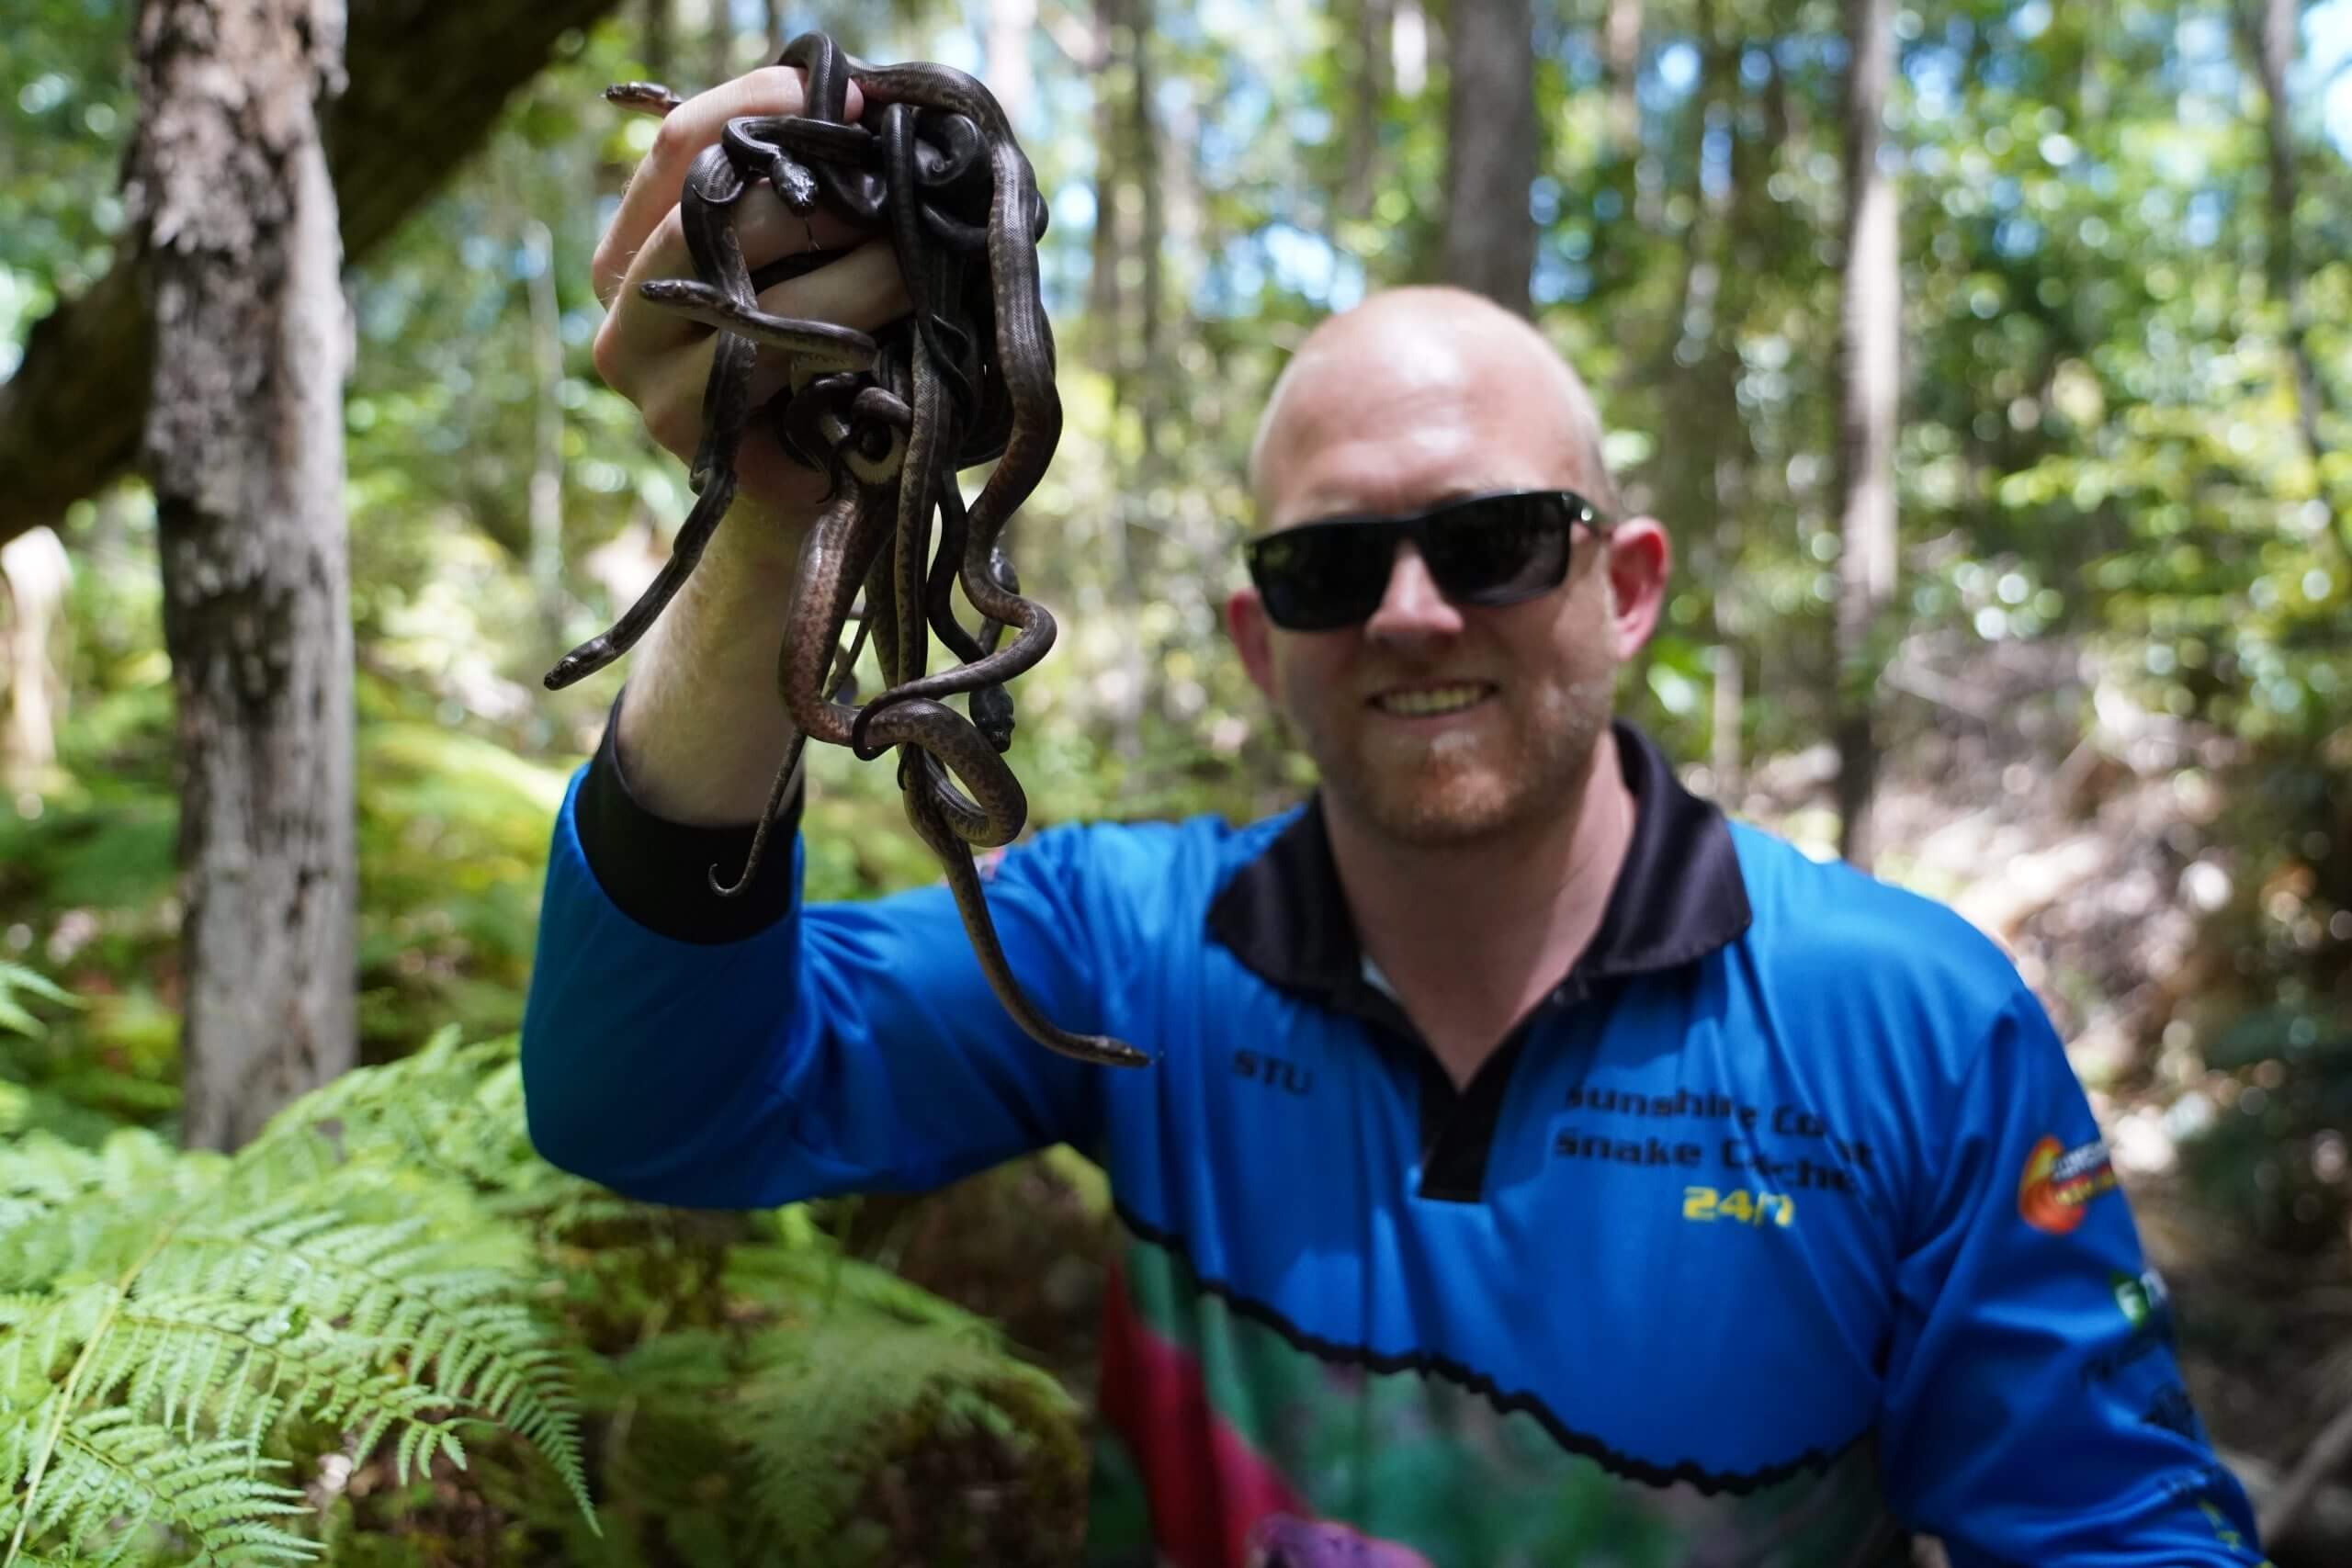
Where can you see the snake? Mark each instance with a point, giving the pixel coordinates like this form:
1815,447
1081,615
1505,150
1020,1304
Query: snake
890,419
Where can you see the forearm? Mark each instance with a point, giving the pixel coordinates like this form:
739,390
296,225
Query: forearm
702,729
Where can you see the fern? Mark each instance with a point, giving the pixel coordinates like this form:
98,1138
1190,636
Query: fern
830,1403
167,1314
15,1016
109,1475
389,1285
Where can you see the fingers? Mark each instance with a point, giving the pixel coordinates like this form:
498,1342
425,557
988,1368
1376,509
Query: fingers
766,229
862,291
652,195
661,361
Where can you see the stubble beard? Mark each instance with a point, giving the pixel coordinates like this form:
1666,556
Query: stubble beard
1464,788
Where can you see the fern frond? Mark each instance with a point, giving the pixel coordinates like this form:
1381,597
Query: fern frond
67,1210
111,1478
374,1276
833,1400
405,1295
801,1275
361,1293
401,1114
15,1016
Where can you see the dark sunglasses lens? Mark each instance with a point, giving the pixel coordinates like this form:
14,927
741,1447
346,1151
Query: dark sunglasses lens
1500,549
1323,576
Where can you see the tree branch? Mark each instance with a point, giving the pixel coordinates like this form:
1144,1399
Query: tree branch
427,82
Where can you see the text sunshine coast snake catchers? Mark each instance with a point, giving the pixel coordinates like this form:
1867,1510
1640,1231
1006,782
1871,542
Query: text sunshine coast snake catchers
890,419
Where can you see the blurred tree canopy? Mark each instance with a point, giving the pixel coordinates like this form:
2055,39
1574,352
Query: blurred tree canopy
2116,692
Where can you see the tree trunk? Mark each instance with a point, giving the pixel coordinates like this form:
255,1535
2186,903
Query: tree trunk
1010,23
1124,333
660,40
1371,58
37,575
231,201
2270,30
1620,58
1490,149
1726,750
1867,390
1408,47
546,437
429,82
718,42
1144,159
1103,293
2090,77
1154,379
777,35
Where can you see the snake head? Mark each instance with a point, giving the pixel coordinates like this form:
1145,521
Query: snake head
858,745
992,715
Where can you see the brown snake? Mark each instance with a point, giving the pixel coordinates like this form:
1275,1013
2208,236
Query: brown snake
890,419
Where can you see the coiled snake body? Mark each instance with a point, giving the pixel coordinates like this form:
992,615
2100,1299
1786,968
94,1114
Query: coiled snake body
891,419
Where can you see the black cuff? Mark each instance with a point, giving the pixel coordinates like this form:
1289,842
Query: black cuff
658,871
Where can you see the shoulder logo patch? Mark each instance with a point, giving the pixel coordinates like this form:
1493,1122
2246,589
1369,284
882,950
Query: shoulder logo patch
2058,1183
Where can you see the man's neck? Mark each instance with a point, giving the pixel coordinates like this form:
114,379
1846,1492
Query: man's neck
1471,936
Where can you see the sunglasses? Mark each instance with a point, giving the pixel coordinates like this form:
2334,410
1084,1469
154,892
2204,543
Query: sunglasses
1484,550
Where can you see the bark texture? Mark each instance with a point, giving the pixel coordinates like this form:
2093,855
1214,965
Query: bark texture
1491,150
1869,390
233,210
430,81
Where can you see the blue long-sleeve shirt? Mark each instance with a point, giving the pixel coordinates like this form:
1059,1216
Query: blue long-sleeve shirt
1779,1230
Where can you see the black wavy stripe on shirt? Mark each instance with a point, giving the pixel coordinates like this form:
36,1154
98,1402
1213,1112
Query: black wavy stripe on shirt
657,872
1817,1461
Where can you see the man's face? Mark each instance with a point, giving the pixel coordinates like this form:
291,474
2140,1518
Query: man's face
1433,723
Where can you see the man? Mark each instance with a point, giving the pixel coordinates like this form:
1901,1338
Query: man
1533,1167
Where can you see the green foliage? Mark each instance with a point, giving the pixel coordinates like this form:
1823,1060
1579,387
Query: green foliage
170,1317
452,845
452,848
66,88
389,1288
2099,444
795,1428
15,1016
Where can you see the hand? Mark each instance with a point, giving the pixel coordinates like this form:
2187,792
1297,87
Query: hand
661,361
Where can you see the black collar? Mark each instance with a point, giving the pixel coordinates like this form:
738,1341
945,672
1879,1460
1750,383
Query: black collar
1678,896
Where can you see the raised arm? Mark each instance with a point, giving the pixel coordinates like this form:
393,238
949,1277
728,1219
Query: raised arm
738,1050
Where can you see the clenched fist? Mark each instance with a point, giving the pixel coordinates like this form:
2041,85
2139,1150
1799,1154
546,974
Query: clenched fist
661,361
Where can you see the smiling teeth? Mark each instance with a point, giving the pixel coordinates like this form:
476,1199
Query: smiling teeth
1421,704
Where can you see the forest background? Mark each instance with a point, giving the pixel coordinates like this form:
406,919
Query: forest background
2095,636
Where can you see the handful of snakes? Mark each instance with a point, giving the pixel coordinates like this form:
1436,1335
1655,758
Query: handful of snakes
891,419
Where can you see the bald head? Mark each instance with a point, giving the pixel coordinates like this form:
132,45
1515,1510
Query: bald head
1428,359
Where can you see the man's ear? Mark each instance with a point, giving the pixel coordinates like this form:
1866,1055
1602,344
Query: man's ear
1245,619
1641,558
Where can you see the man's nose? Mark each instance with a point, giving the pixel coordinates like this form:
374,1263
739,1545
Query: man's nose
1412,610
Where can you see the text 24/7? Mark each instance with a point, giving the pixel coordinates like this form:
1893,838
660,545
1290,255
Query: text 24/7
1706,1204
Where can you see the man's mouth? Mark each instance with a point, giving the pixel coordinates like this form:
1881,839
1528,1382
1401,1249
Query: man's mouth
1429,702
